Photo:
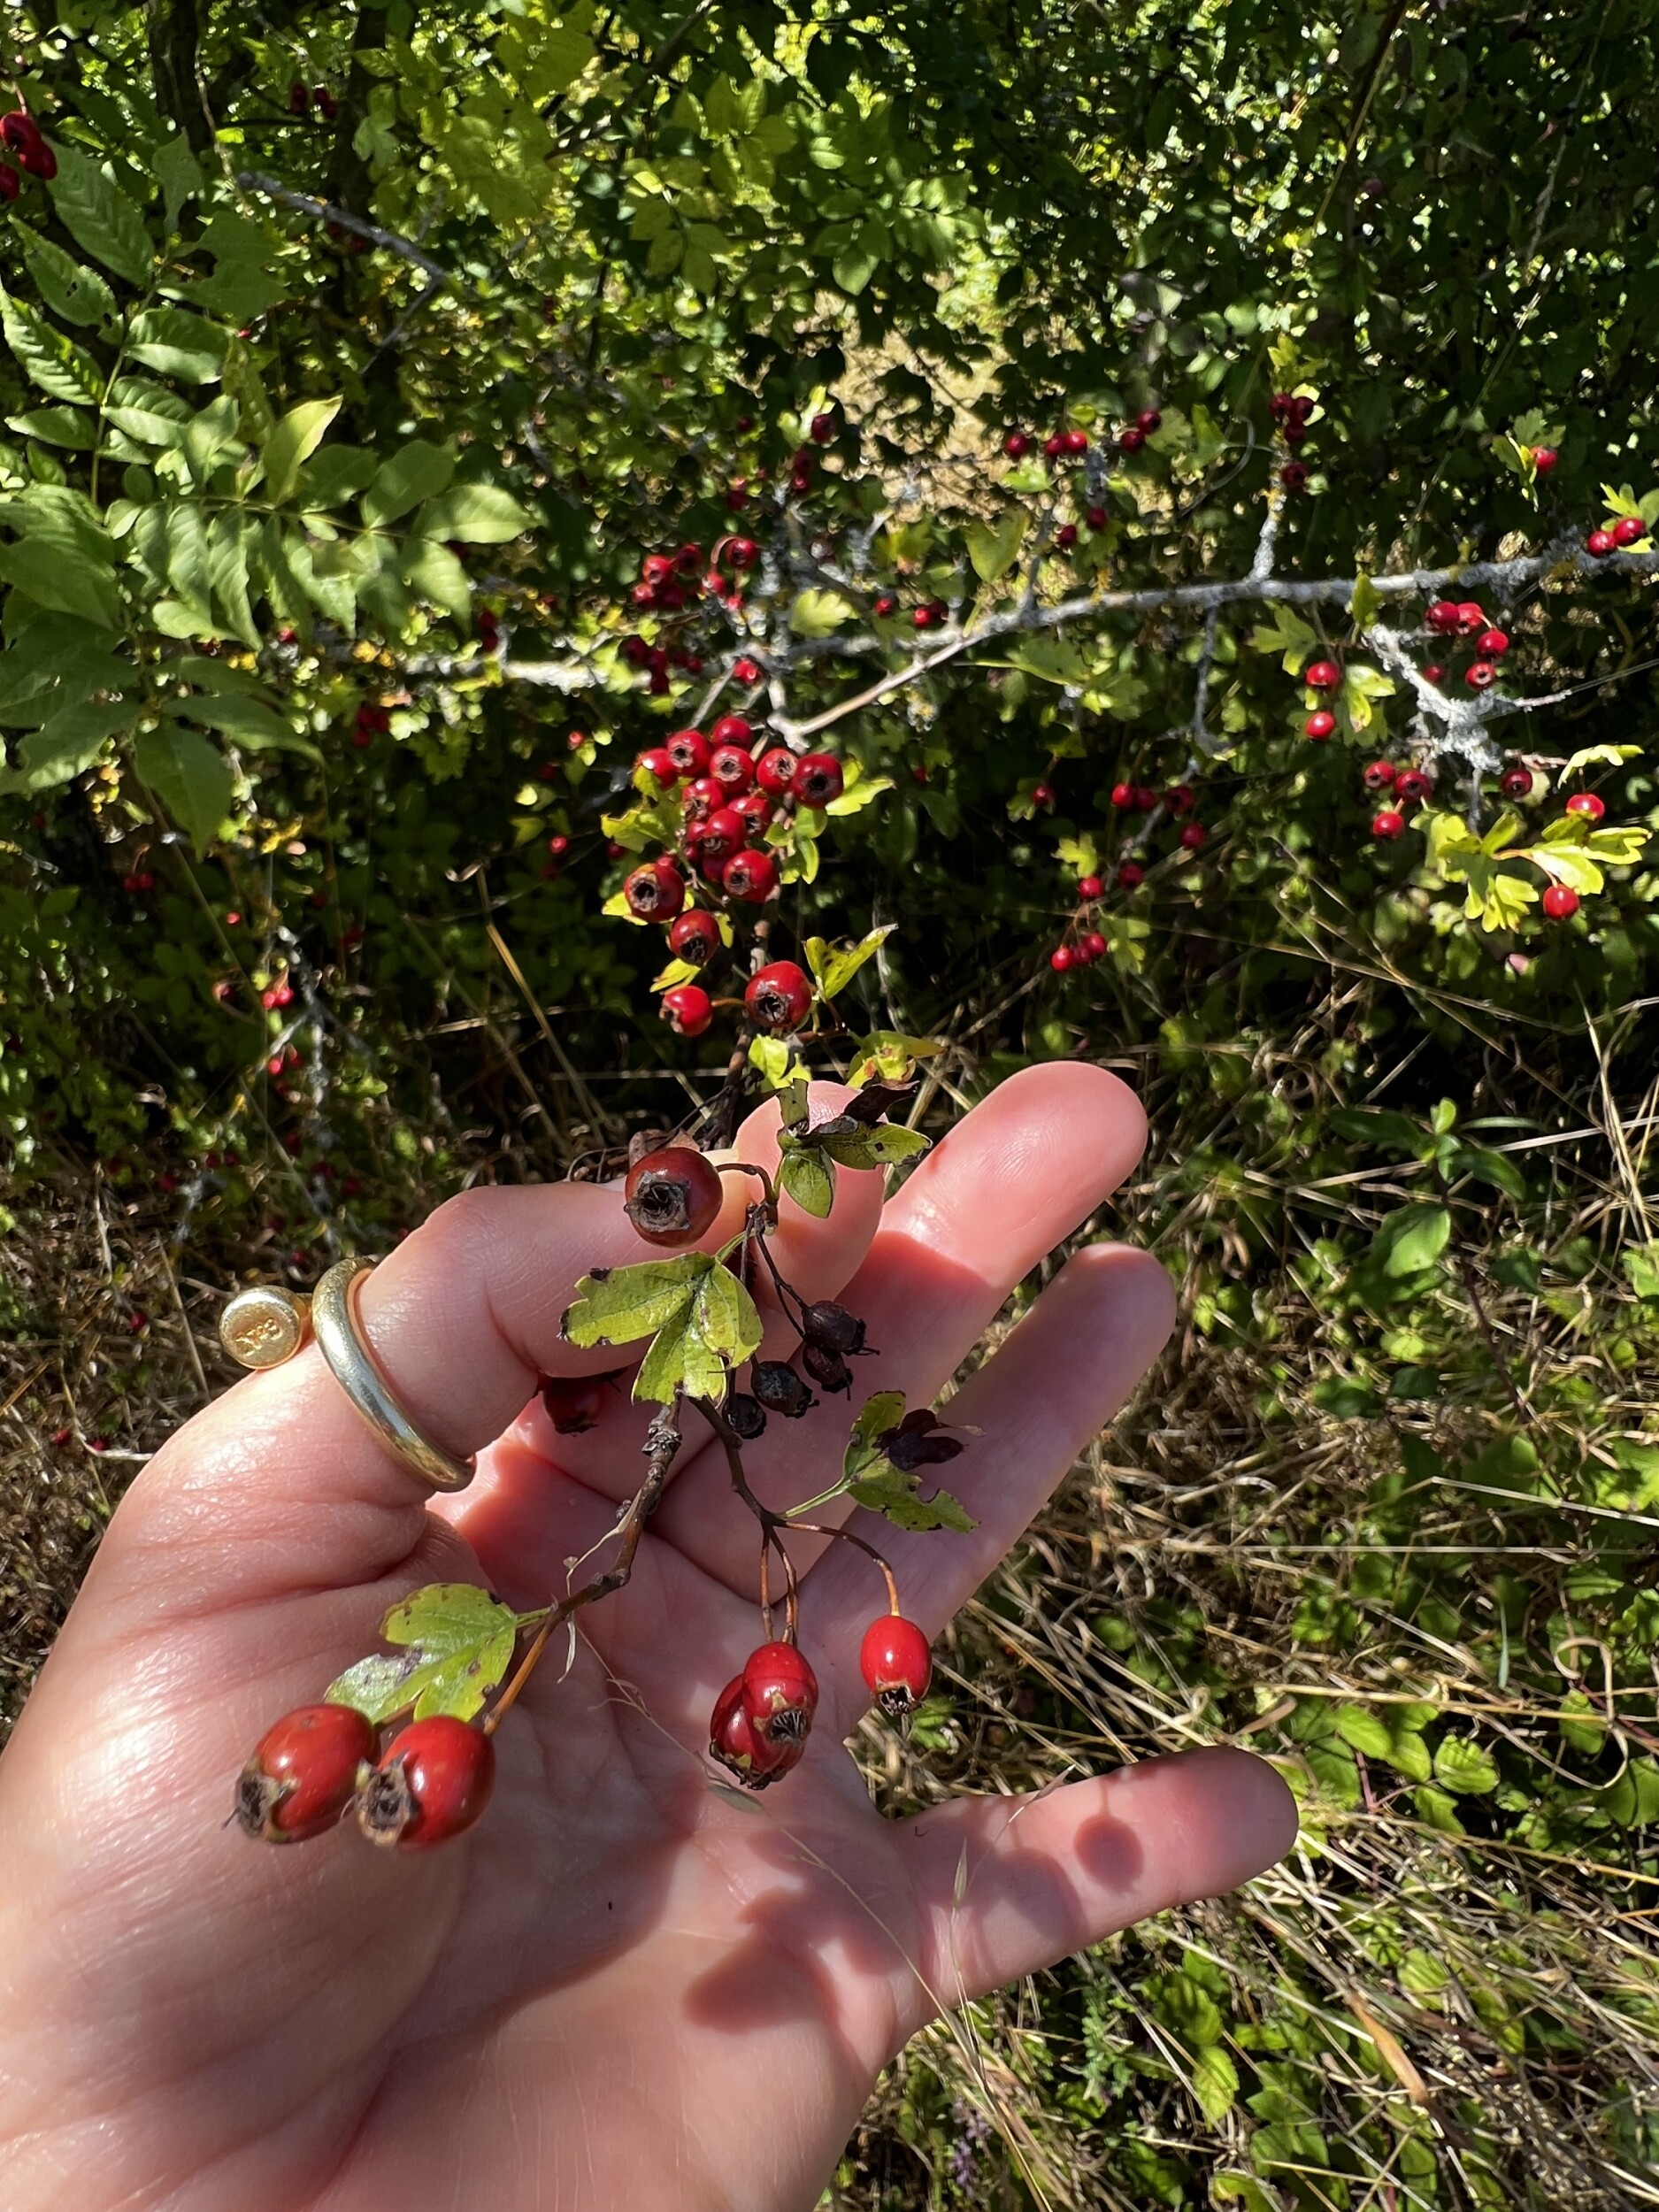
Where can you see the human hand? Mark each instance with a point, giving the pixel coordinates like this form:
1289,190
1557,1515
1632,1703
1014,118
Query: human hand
624,1987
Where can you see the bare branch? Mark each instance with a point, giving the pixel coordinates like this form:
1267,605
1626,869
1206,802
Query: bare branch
326,212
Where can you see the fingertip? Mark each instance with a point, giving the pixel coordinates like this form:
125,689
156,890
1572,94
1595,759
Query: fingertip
1144,1300
1228,1814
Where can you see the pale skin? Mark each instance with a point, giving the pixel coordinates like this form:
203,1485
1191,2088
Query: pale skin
624,1989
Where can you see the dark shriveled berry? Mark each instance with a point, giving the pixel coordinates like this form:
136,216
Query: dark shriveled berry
780,1389
574,1402
828,1370
745,1417
832,1327
673,1196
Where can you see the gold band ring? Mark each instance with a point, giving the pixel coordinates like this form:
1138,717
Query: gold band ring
263,1327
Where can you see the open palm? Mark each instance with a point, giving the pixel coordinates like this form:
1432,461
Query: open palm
628,1986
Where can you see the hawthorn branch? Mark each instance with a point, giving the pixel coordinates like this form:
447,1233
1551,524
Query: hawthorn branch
326,212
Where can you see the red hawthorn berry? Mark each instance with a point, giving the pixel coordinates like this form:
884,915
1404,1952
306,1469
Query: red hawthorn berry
1054,445
1180,798
558,845
822,430
817,779
1065,536
1480,675
732,729
731,767
695,936
1492,645
1146,797
720,835
327,106
1323,676
1599,543
1148,420
1320,724
751,877
1194,837
299,99
11,183
924,618
886,605
1089,888
1096,518
635,651
687,1010
1517,783
1442,616
1293,476
1061,958
1628,529
779,995
1041,795
1131,440
1076,441
1279,407
303,1773
734,1741
755,809
1091,946
672,1195
659,762
1434,674
896,1664
1016,445
775,771
780,1692
432,1782
1471,617
747,672
575,1403
1302,406
1387,823
1125,797
1379,775
742,552
1411,784
1588,804
1559,903
656,891
1131,876
688,749
1543,458
699,798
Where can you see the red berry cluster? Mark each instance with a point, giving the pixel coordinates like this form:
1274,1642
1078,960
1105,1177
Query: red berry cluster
302,97
1466,619
1292,413
20,135
762,1718
316,1764
1621,534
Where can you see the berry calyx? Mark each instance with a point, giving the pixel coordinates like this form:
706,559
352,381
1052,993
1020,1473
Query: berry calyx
695,936
1517,783
751,877
1480,675
1560,902
431,1785
1320,726
775,772
896,1664
672,1195
780,1692
779,997
1588,804
687,1010
1322,675
817,779
573,1403
731,767
1388,824
303,1773
1379,775
1411,784
656,891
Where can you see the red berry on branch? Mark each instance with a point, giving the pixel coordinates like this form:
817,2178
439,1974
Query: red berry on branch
1388,824
1279,407
672,1195
818,780
1194,837
1471,617
1096,518
732,729
735,1742
1179,798
431,1785
1320,726
896,1664
299,101
780,1692
731,767
1302,406
720,835
699,798
695,936
747,672
1091,946
1442,616
1492,645
659,762
1131,876
1075,441
1065,536
1322,675
751,877
688,749
778,996
1016,445
1588,804
1148,420
1379,775
1560,902
1599,543
1089,888
1125,797
886,605
1517,783
1434,674
687,1010
327,106
1543,458
1061,958
574,1402
755,809
1480,675
823,429
1410,785
11,183
1041,795
1146,797
1293,476
775,771
1628,529
1131,440
656,891
303,1773
742,552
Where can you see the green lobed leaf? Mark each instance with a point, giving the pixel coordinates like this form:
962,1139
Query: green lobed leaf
725,1317
835,967
620,1305
98,215
863,1456
816,613
460,1645
894,1496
